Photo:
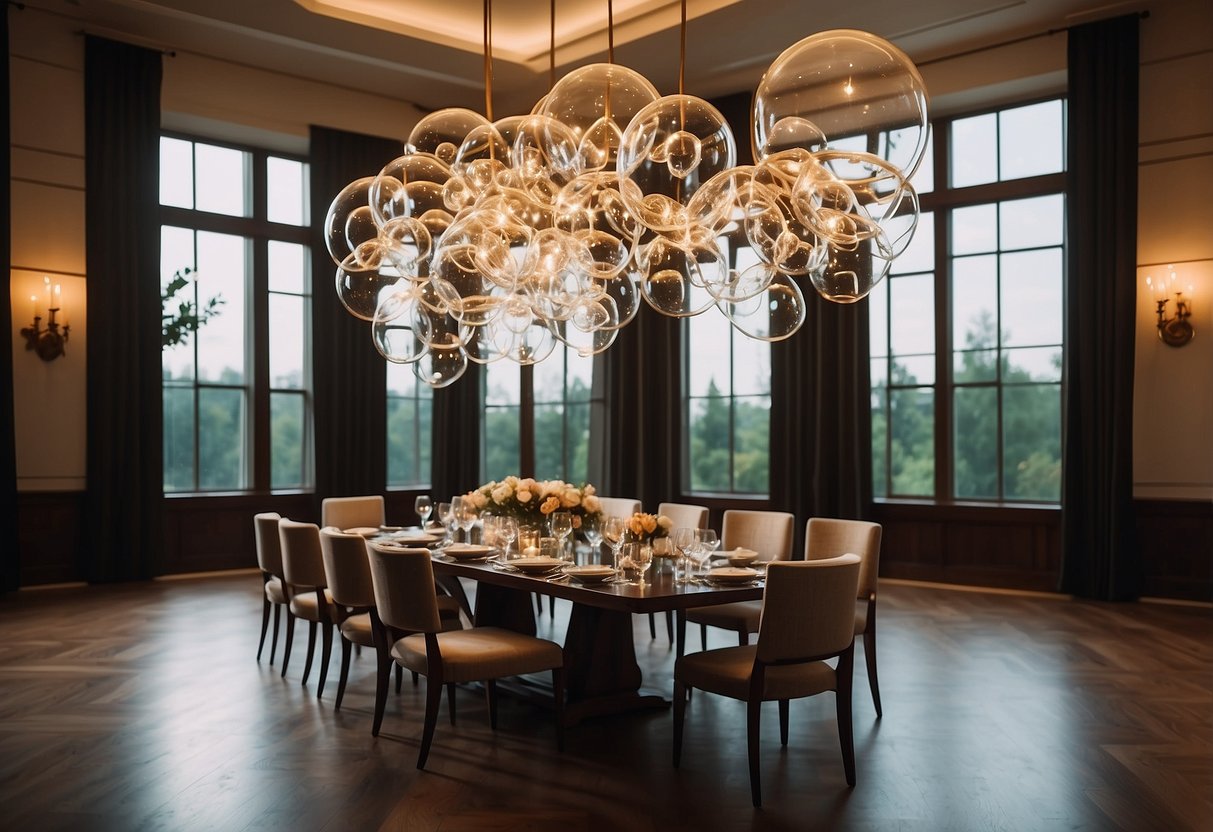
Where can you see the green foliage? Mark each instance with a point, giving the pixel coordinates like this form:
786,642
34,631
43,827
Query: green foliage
710,443
177,325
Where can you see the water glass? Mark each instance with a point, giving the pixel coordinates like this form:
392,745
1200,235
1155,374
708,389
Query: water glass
507,531
444,517
683,540
423,506
562,526
591,527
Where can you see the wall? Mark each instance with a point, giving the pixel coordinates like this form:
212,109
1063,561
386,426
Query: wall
1173,393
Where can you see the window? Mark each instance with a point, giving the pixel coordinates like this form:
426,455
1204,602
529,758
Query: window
237,412
726,404
537,418
966,337
410,409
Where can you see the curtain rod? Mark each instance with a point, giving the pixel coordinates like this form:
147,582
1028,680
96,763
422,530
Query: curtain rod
1047,33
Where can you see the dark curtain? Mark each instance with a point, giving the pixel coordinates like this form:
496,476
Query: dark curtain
642,385
821,448
456,438
348,374
122,236
1100,558
10,561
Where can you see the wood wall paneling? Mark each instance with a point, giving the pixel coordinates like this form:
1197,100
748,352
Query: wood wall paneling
50,532
1176,539
207,533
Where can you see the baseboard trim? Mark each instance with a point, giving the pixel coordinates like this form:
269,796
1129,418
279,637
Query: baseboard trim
989,590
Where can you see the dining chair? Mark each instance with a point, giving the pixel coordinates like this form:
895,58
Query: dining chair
352,512
827,537
307,595
682,516
769,533
808,617
269,559
403,581
348,571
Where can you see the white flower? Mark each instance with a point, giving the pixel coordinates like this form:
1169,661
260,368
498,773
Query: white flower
502,493
479,499
589,490
664,522
523,495
591,504
571,498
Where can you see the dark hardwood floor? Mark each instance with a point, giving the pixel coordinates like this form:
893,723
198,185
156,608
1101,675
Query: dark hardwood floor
141,707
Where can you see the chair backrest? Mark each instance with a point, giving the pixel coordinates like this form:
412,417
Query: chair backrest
685,516
826,537
302,563
346,567
352,512
769,533
403,580
269,550
808,608
619,506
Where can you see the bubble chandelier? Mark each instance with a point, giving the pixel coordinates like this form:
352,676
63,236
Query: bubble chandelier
490,240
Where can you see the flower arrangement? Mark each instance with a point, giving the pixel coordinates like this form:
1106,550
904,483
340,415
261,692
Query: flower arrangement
646,528
533,500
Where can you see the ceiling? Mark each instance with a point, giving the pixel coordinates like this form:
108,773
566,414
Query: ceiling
429,51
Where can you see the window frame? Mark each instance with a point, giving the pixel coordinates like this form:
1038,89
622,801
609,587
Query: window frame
257,231
941,201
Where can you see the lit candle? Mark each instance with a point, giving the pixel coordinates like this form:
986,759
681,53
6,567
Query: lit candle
58,296
46,283
33,305
530,552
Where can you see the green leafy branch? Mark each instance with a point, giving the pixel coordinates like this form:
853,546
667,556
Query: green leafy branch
177,325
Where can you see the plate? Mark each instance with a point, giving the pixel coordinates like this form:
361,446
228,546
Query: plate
364,531
467,551
414,537
741,557
535,565
732,575
590,573
391,529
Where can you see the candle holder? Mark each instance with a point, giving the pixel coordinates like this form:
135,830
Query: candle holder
47,343
1176,330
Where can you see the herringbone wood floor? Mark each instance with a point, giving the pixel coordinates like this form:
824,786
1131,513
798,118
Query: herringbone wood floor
141,707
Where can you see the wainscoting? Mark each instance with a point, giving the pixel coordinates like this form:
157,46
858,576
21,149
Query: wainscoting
975,545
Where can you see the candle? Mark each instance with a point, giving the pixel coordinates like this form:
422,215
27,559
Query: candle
530,552
33,306
46,283
58,296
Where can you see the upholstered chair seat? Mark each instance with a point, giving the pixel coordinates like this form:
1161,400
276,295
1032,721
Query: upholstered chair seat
480,653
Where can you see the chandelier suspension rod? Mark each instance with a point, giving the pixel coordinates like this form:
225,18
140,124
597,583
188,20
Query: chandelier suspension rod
488,60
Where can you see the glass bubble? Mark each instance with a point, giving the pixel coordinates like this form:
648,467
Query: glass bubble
592,341
596,102
441,367
530,346
443,131
848,84
672,277
625,294
407,244
773,314
483,142
482,346
361,292
351,235
408,186
669,150
723,201
399,330
849,275
543,147
742,284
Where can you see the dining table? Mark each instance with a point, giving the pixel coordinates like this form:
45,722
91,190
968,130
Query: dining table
602,675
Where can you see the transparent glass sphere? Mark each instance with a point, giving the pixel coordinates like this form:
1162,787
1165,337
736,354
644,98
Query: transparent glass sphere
407,244
624,293
483,142
532,345
669,150
399,330
350,232
846,84
443,131
596,102
773,314
672,277
849,275
361,292
408,186
543,147
441,367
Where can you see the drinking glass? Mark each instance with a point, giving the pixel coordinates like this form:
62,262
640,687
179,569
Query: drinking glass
613,529
456,515
489,526
562,527
423,506
706,542
507,532
640,558
467,518
444,517
683,541
591,527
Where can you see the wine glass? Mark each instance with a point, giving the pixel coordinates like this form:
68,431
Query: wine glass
706,542
562,527
507,532
613,529
456,514
591,527
465,516
443,516
683,541
640,557
423,506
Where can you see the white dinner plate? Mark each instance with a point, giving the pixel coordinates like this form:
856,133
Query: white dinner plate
537,564
467,551
419,538
590,573
364,531
732,575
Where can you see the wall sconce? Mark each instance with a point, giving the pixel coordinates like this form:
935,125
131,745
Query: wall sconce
1174,331
47,343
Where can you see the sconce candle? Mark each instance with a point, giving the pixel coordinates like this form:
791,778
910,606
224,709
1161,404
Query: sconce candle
1176,330
48,343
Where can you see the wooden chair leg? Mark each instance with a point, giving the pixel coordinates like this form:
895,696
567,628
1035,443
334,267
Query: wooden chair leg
450,701
783,722
669,625
652,626
753,720
680,710
345,672
416,676
433,696
558,699
538,604
551,606
325,655
846,736
265,623
743,638
382,676
311,650
490,697
703,636
869,657
274,643
400,677
290,638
